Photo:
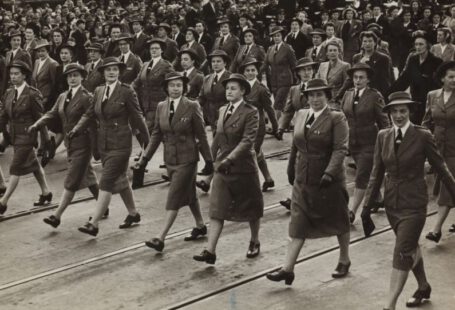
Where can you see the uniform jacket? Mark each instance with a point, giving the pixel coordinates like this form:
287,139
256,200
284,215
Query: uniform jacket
280,66
212,96
70,114
116,117
198,48
300,44
180,39
171,51
260,97
111,49
351,40
206,41
148,84
45,80
255,51
321,149
196,79
210,17
139,45
94,78
235,138
3,76
449,52
336,77
230,45
403,172
21,55
31,50
440,119
183,137
320,57
133,67
365,119
295,101
22,114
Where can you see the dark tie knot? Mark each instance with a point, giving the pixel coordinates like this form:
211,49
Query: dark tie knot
310,121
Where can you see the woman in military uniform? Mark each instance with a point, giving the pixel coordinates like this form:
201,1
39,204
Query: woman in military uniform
236,194
21,107
319,205
68,109
180,126
189,61
117,110
362,107
260,98
440,117
399,158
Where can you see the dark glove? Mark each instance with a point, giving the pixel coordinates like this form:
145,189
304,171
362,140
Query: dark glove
141,164
225,166
291,177
73,133
208,168
32,130
46,156
367,222
279,134
326,181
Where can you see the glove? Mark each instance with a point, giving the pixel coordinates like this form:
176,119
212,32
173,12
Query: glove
326,180
279,134
367,222
73,133
291,177
32,130
96,155
225,166
141,164
208,168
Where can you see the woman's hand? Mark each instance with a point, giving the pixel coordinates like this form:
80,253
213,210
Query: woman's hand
225,166
32,130
326,181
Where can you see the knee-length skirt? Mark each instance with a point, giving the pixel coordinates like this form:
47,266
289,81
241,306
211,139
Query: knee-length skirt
24,160
182,190
115,165
80,172
317,213
236,197
444,196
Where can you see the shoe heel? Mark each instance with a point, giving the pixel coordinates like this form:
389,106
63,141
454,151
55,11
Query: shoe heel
289,281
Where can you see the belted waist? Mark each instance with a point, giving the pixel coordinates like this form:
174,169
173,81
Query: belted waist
22,121
114,122
314,156
403,178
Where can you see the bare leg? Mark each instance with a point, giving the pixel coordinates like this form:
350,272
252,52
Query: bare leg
13,182
58,140
65,200
196,211
443,212
343,240
294,248
104,199
128,200
357,199
397,282
254,227
2,179
41,178
216,226
419,271
262,164
171,215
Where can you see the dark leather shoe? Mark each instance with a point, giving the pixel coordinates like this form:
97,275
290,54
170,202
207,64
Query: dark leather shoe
3,208
418,297
253,250
434,236
156,244
203,185
165,177
130,220
89,229
286,203
341,271
376,206
452,228
2,191
205,256
106,214
352,166
43,200
267,184
163,166
281,275
196,233
351,217
52,220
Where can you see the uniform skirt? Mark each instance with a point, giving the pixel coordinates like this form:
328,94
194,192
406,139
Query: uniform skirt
317,213
363,159
24,160
182,190
80,172
280,95
115,164
236,197
444,197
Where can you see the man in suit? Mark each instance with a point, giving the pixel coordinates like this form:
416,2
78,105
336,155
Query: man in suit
193,14
148,84
80,39
171,49
133,62
317,51
350,31
94,78
177,35
279,65
226,41
140,38
380,19
204,37
249,49
444,49
299,41
210,16
110,47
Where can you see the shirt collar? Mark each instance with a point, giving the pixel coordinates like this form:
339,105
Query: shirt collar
403,129
155,60
316,114
235,105
126,55
112,87
219,74
360,91
188,72
74,90
96,62
20,89
252,82
176,102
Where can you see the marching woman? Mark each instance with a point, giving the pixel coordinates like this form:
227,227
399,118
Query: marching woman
319,205
260,98
440,119
400,155
180,126
189,60
21,107
68,109
236,194
362,107
117,110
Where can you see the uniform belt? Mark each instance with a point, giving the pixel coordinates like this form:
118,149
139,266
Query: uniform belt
398,179
314,156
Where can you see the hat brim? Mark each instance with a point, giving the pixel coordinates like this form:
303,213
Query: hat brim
226,58
161,43
185,80
83,72
370,71
28,71
316,89
120,64
48,45
308,64
282,31
244,83
257,64
409,103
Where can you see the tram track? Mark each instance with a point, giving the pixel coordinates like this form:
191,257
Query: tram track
90,197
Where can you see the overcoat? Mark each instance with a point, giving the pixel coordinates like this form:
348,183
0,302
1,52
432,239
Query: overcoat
335,77
46,80
447,55
230,45
133,67
296,100
212,97
255,51
196,79
139,46
94,78
350,35
320,56
321,149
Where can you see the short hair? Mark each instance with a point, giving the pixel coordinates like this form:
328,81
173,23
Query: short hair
329,24
333,43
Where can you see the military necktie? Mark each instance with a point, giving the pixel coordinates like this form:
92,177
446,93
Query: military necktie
310,121
106,95
171,111
122,59
398,139
229,113
11,58
69,96
15,96
222,41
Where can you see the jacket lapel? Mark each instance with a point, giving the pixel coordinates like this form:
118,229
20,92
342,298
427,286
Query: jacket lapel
74,102
334,70
407,139
451,100
43,67
21,98
181,110
389,143
234,117
320,120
